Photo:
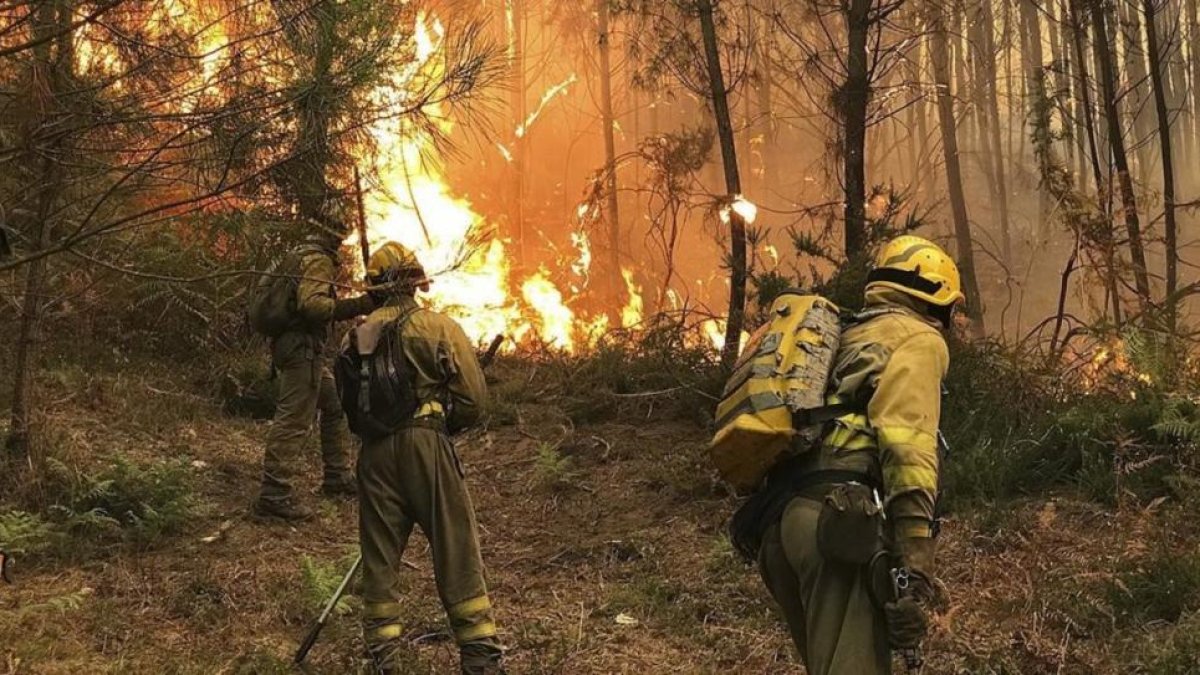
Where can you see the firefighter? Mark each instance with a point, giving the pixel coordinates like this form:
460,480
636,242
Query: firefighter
413,475
863,504
306,387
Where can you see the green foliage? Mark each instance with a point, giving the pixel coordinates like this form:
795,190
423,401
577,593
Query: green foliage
144,501
61,604
1162,588
1181,651
23,533
552,467
320,580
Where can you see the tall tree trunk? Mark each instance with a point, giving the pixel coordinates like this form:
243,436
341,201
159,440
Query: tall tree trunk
515,16
1116,140
315,108
1036,104
615,281
1079,38
854,113
992,101
1136,76
1193,21
1168,169
733,187
766,121
51,64
958,203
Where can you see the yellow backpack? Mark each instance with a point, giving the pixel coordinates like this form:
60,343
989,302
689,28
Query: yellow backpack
774,402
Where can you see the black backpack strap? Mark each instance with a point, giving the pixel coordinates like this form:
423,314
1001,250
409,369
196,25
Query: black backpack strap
826,413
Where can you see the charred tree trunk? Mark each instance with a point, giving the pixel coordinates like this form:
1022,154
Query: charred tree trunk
615,281
1168,170
733,187
1116,140
958,203
51,63
853,106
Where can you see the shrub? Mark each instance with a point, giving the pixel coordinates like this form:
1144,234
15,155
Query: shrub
1162,588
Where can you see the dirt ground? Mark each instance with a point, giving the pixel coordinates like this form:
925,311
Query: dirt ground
605,549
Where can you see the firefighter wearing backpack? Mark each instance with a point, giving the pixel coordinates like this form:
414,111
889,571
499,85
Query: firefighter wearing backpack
409,379
307,306
840,518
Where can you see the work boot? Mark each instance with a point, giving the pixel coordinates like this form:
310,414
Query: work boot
342,485
481,658
283,508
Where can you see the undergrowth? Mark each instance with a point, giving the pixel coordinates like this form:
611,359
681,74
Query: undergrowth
125,501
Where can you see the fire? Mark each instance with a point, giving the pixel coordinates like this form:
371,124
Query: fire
745,208
473,278
557,90
632,313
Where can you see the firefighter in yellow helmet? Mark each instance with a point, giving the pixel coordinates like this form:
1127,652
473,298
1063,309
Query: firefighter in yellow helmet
411,475
835,523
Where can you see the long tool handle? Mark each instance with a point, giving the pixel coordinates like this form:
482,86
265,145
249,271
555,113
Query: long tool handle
319,625
363,245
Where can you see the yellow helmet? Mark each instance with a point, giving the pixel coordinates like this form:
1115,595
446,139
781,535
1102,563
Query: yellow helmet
394,265
919,268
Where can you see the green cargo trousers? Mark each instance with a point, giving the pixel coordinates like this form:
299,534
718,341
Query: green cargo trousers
306,391
828,608
414,477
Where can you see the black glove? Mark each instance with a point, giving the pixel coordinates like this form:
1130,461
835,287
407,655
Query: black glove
352,307
906,623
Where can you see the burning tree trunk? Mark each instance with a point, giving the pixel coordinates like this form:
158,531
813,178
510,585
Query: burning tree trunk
853,108
1168,169
958,203
1120,159
50,68
615,280
733,186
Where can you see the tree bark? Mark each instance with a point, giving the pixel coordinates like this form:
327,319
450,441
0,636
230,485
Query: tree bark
1168,170
615,280
1079,38
1036,104
52,60
733,186
992,101
1193,21
517,105
1120,159
854,114
958,203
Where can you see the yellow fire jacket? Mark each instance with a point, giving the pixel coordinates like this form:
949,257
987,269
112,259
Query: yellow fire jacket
893,363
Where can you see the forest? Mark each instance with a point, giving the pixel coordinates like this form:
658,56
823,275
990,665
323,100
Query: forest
608,196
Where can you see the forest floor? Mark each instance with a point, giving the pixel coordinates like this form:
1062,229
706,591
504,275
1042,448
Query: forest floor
604,545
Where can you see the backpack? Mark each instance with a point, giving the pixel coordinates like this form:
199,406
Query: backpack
375,380
271,309
773,405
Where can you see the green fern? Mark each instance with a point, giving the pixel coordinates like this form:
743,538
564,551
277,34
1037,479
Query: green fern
25,533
